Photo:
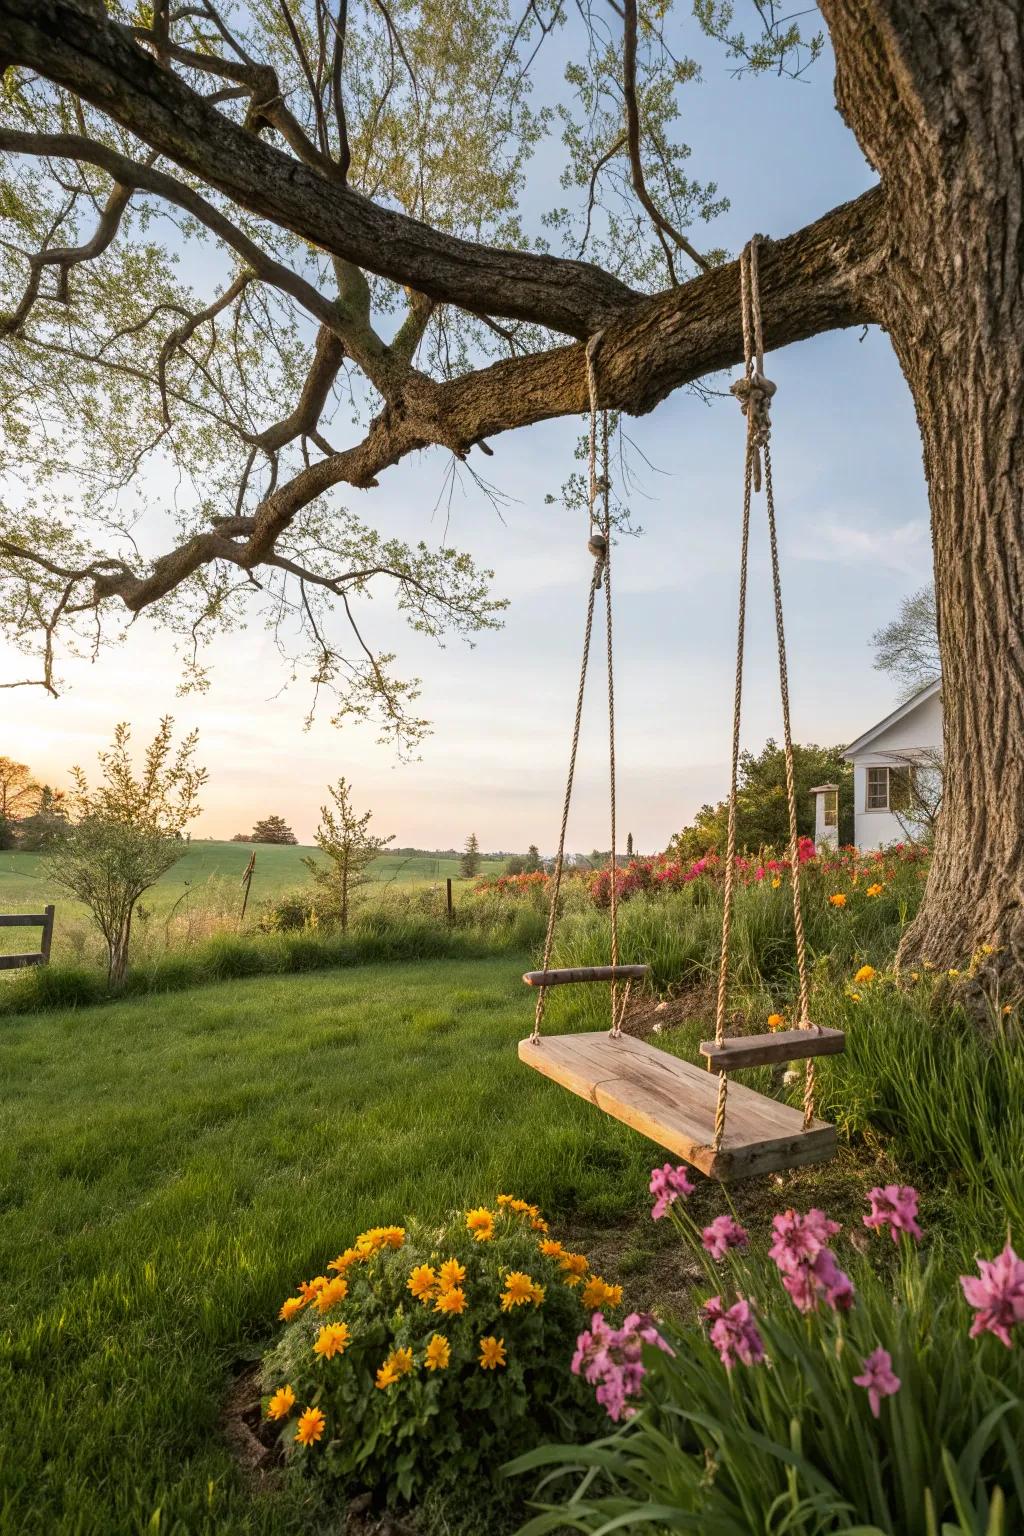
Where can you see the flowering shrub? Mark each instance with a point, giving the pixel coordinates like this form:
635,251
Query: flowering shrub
421,1357
826,1385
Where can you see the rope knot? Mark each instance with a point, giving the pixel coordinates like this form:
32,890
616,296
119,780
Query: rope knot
597,544
754,393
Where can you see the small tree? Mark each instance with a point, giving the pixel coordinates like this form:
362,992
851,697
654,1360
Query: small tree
516,865
469,864
908,647
629,845
126,833
272,829
922,776
19,797
343,838
38,832
531,863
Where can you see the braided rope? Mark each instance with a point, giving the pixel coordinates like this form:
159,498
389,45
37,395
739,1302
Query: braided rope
600,548
754,392
606,528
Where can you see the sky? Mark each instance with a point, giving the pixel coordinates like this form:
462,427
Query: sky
854,535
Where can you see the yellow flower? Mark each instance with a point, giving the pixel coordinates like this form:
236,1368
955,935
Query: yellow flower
775,1021
837,900
311,1426
281,1404
952,973
1007,1007
513,1203
537,1221
439,1353
329,1295
379,1237
550,1248
291,1308
866,973
854,997
537,1295
422,1282
574,1266
988,949
492,1353
397,1364
915,975
332,1340
481,1223
519,1289
598,1293
453,1300
874,890
451,1273
310,1289
776,882
345,1260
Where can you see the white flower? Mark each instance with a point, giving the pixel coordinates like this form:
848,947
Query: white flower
791,1077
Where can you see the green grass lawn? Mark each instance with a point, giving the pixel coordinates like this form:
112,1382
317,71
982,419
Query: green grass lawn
171,1167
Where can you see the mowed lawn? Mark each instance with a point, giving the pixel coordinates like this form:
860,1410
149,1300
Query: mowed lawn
170,1168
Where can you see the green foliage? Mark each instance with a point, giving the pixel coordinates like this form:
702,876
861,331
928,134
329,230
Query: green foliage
414,1428
271,829
126,832
791,1444
346,842
469,864
762,816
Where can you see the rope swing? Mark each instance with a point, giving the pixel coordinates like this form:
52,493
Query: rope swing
669,1100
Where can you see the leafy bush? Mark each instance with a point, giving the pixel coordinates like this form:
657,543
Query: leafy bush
424,1356
824,1389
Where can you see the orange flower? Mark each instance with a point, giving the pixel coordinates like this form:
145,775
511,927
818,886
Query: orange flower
874,890
439,1353
837,900
598,1293
481,1223
775,1021
423,1282
452,1300
332,1340
291,1308
281,1404
330,1294
550,1248
451,1273
574,1266
310,1289
492,1353
345,1260
311,1426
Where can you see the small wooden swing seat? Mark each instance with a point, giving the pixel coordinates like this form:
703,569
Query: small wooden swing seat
673,1103
565,974
761,1050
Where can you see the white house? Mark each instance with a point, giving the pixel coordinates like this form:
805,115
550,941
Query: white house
896,766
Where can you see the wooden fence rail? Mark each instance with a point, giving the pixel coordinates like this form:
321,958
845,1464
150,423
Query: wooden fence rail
41,956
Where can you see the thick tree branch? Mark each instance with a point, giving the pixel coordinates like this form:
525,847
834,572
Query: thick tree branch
99,62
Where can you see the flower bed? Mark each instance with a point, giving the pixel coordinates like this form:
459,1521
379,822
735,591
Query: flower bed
420,1358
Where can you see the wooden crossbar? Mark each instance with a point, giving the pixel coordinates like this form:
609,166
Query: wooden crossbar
784,1045
559,978
673,1102
41,956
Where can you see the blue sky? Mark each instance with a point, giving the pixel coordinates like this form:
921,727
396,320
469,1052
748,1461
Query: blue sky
854,532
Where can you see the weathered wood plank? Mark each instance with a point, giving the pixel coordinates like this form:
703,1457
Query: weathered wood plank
559,977
21,920
673,1103
18,962
784,1045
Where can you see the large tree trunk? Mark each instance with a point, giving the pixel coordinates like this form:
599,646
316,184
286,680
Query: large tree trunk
935,94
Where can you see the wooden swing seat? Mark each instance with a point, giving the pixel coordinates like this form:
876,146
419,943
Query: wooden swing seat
559,978
673,1103
784,1045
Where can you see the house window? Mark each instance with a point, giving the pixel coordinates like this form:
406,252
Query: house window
888,789
831,808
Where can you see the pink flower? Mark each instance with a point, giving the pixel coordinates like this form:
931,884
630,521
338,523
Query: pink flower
667,1184
895,1207
612,1360
799,1239
878,1379
724,1233
835,1286
998,1296
733,1332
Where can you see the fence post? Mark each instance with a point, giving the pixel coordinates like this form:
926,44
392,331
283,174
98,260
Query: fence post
44,948
451,909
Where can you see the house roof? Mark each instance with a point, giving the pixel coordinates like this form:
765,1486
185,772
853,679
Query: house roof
821,789
901,712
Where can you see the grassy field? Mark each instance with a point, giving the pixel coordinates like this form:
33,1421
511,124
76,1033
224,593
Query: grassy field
205,881
171,1168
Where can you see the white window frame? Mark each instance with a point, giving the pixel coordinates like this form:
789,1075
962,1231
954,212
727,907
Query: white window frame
830,808
875,768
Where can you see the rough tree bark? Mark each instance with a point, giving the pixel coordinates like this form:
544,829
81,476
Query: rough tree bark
934,91
935,95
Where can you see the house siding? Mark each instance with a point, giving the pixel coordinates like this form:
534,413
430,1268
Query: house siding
919,731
